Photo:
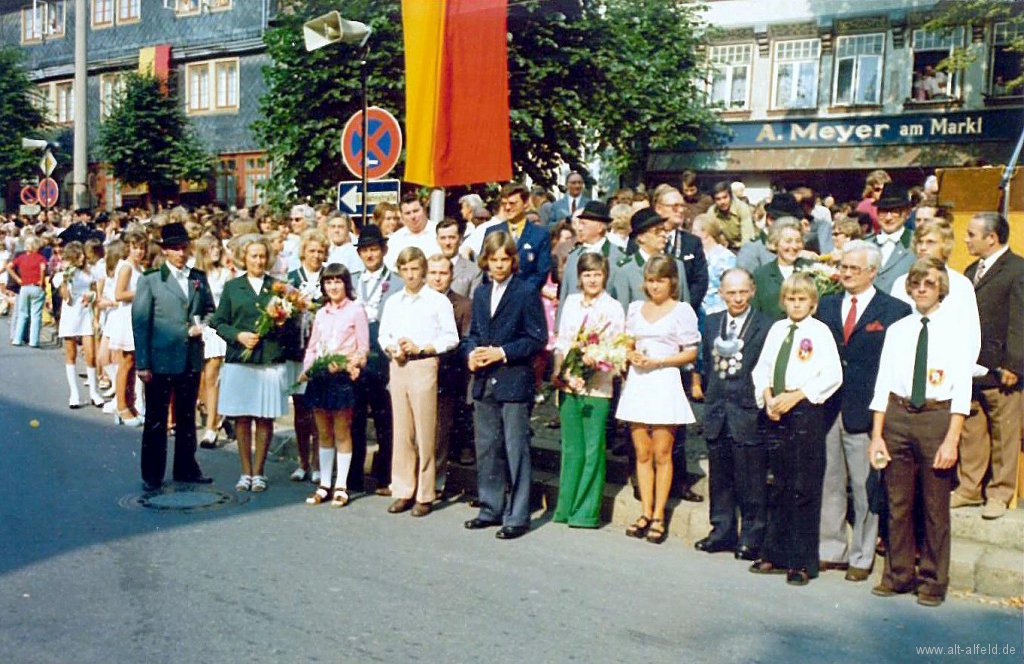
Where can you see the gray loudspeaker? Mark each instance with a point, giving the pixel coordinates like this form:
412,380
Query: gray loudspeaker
331,28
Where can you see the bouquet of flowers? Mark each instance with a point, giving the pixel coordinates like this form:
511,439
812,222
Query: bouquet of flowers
285,303
825,276
593,351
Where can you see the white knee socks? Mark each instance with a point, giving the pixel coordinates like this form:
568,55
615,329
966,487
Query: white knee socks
90,381
69,371
344,461
326,465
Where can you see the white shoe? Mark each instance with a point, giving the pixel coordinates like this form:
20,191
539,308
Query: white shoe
244,483
299,475
315,477
259,483
539,399
110,407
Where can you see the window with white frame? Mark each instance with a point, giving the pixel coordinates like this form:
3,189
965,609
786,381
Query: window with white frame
43,20
795,73
212,86
129,11
185,7
930,47
65,102
730,75
111,87
1006,63
102,13
42,99
218,5
858,78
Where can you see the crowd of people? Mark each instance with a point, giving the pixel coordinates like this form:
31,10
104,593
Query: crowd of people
855,387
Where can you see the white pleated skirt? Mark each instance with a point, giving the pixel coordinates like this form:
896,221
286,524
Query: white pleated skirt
253,390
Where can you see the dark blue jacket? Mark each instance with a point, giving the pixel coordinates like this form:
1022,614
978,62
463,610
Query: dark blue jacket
519,327
534,247
860,357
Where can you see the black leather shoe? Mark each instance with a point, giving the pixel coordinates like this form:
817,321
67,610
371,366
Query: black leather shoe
691,496
708,545
746,553
479,524
511,532
198,479
151,486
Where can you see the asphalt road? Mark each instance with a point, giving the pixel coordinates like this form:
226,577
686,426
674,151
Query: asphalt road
89,575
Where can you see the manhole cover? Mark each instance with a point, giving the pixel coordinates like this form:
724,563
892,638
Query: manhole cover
182,498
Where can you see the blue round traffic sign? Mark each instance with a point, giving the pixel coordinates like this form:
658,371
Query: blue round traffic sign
48,192
384,144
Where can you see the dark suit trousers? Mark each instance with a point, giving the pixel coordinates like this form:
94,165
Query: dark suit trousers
503,460
737,480
796,464
913,439
372,400
184,388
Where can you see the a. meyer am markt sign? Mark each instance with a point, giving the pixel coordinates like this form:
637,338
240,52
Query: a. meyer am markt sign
959,127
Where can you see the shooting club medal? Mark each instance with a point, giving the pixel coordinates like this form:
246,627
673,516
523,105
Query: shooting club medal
728,353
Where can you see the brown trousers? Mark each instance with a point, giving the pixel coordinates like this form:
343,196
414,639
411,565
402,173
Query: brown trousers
913,439
991,437
414,411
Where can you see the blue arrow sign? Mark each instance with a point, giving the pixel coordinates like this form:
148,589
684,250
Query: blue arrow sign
350,195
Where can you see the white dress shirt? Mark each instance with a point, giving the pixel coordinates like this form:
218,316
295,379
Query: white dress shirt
426,240
256,283
474,244
602,310
498,289
370,290
740,321
814,364
181,276
985,263
887,243
425,317
596,247
949,367
962,301
863,300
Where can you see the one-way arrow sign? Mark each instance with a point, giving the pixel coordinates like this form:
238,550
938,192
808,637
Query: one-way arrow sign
350,195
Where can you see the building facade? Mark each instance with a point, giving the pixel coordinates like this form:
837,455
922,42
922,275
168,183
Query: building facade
820,93
212,49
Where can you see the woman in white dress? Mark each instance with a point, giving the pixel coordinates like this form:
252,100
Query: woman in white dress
653,400
106,305
210,258
78,292
119,325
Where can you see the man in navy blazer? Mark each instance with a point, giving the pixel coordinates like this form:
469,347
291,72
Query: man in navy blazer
737,455
170,303
507,330
858,320
532,241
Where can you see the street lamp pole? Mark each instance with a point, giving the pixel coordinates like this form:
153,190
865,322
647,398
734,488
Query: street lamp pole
80,176
366,128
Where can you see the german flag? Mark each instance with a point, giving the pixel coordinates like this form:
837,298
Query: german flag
456,92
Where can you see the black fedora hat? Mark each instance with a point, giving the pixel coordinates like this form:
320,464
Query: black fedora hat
371,236
174,235
894,197
596,211
784,205
643,219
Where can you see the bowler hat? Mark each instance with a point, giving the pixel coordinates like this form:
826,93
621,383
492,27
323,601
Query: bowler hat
596,211
174,235
643,219
784,205
371,236
894,197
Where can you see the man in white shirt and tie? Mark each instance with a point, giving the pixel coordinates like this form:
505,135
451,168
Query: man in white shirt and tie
573,201
417,325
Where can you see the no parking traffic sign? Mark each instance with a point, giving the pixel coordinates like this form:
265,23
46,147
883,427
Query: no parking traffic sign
385,143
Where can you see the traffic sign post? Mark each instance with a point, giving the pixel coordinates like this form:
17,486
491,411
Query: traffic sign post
350,195
383,147
48,192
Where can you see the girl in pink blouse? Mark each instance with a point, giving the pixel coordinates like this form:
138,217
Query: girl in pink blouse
339,328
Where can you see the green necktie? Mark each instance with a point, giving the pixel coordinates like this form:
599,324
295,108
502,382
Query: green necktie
782,362
920,366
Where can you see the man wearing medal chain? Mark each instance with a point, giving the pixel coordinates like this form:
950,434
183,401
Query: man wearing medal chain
737,456
373,286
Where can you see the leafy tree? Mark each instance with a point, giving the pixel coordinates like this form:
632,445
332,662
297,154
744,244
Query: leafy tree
19,118
962,13
148,139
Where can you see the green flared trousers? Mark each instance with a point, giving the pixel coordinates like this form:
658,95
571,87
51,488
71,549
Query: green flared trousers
581,481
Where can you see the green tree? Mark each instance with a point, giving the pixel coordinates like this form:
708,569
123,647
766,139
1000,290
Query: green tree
148,139
964,13
19,118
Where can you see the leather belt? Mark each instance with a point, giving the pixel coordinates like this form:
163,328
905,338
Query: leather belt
928,405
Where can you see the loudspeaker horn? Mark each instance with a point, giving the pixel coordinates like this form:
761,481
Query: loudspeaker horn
331,28
33,144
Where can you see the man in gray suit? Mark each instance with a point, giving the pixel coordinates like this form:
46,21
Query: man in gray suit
574,200
627,278
167,313
466,275
893,238
593,226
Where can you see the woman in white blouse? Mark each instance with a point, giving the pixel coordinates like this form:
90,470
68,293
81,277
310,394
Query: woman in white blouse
584,406
799,369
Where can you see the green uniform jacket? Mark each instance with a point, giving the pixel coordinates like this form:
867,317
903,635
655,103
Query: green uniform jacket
768,280
238,312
